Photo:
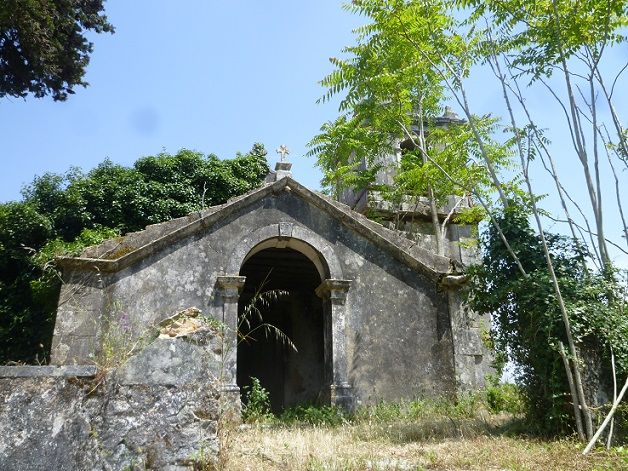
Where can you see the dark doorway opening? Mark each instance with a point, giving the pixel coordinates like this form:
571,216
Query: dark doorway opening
291,377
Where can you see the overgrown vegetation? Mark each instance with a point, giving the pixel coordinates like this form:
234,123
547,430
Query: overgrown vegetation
62,214
558,302
121,339
527,326
496,398
479,431
351,447
256,407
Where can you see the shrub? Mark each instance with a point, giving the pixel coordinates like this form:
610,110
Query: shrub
256,406
503,397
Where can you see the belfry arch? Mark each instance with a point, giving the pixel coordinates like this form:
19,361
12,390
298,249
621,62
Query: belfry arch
289,257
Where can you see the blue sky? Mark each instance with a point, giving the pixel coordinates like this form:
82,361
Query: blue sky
205,75
216,77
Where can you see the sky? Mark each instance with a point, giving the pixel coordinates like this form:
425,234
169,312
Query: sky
212,76
216,77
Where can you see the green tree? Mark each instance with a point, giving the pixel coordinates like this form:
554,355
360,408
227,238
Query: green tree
415,55
527,325
562,45
43,48
62,214
344,151
395,93
22,230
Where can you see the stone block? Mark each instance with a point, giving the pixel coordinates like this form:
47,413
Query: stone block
174,361
79,371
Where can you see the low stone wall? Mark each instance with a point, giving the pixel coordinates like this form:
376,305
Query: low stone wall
157,411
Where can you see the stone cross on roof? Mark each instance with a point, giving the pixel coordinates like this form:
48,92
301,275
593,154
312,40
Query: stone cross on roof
282,150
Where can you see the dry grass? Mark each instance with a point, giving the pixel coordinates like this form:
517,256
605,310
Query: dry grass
403,446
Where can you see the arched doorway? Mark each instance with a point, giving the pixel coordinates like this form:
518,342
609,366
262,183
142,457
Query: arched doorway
291,377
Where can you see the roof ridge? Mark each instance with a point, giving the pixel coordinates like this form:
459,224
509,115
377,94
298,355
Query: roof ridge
143,243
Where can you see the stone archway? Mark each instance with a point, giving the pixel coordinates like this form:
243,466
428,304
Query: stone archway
292,376
288,234
332,290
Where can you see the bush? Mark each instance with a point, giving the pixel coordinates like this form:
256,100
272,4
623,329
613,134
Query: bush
503,397
62,214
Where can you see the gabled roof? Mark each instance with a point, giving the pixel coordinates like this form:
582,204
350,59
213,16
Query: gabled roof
115,254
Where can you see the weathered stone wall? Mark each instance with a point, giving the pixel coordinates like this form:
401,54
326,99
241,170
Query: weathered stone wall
398,328
79,323
472,360
157,411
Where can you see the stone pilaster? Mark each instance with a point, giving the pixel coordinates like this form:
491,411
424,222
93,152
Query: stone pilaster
335,293
229,288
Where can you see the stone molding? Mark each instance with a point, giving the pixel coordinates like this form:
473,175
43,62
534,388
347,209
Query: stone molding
403,249
292,235
453,281
335,290
230,287
76,371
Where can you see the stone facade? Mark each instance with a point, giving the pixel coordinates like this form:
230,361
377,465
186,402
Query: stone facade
391,316
373,315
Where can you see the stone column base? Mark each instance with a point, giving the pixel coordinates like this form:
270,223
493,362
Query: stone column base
341,396
230,403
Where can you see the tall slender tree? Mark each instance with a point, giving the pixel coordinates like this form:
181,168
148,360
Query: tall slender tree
415,55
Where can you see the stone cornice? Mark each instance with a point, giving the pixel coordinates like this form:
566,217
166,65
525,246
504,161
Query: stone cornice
432,265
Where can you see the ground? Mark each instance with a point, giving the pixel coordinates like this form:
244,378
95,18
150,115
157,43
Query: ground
405,447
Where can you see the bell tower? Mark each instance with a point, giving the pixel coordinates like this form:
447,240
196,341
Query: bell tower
412,215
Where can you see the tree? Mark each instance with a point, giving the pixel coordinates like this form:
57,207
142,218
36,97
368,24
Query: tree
418,54
62,214
43,49
395,93
569,39
21,227
527,325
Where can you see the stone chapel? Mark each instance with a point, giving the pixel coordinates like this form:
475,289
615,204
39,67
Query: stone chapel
373,313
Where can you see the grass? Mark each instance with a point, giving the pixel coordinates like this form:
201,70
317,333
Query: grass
470,434
360,446
480,431
345,448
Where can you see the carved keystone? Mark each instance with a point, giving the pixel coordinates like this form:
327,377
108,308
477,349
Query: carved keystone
285,229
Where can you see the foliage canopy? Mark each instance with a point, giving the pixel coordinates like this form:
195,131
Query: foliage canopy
62,214
43,48
527,327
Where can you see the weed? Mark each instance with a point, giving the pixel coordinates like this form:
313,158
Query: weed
257,403
122,338
251,321
204,459
313,415
467,406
